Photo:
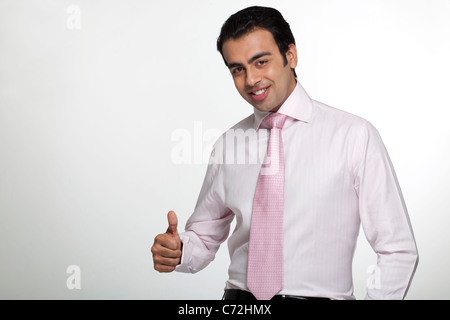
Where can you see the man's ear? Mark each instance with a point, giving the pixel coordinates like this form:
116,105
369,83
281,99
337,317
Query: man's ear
291,56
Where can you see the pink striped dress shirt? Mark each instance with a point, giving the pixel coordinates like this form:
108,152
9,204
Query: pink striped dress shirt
338,176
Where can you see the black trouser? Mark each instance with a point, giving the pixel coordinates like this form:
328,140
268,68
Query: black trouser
235,294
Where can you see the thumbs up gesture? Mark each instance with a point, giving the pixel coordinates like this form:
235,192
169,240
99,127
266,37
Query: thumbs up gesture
166,249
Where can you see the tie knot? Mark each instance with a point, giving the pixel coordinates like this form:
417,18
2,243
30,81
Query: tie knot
273,120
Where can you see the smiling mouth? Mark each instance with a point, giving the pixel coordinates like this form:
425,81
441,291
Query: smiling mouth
259,92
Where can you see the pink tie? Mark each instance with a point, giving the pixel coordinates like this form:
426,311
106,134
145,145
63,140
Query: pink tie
265,256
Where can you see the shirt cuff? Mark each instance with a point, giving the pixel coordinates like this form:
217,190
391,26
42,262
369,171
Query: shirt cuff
195,255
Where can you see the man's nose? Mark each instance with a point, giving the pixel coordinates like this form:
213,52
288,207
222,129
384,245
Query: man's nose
253,77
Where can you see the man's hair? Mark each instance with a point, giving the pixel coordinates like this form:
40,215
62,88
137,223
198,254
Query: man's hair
249,19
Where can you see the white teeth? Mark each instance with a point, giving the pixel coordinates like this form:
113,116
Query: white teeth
257,93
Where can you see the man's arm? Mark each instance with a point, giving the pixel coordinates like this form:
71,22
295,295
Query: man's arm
384,218
208,226
206,229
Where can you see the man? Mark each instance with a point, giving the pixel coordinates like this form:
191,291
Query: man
297,214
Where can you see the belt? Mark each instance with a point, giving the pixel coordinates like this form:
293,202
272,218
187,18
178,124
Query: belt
236,294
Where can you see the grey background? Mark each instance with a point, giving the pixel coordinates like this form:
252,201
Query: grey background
87,117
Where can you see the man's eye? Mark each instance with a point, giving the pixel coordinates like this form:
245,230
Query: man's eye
262,62
237,70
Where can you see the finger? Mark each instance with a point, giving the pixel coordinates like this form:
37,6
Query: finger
165,244
168,253
166,240
159,260
163,268
173,223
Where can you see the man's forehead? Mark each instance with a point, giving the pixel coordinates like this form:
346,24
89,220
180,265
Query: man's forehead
249,45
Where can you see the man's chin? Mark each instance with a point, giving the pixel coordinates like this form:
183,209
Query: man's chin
265,108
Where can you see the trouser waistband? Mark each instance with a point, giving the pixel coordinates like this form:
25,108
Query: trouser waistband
236,294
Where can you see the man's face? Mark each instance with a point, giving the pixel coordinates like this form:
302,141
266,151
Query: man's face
258,69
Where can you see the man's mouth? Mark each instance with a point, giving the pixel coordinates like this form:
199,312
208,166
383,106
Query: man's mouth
257,93
260,94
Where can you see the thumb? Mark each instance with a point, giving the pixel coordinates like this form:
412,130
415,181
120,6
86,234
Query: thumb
173,223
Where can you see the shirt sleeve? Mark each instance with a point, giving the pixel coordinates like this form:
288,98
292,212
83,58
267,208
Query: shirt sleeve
384,219
207,228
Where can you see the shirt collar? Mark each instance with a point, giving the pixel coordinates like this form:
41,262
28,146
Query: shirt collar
297,106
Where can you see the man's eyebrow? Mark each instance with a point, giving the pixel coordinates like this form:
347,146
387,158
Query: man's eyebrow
259,55
255,57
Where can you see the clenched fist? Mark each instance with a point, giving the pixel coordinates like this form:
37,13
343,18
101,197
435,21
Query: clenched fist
166,249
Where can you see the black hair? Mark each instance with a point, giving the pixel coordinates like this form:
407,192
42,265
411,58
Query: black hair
251,18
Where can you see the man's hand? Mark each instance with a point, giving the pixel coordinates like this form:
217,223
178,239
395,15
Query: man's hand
167,247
